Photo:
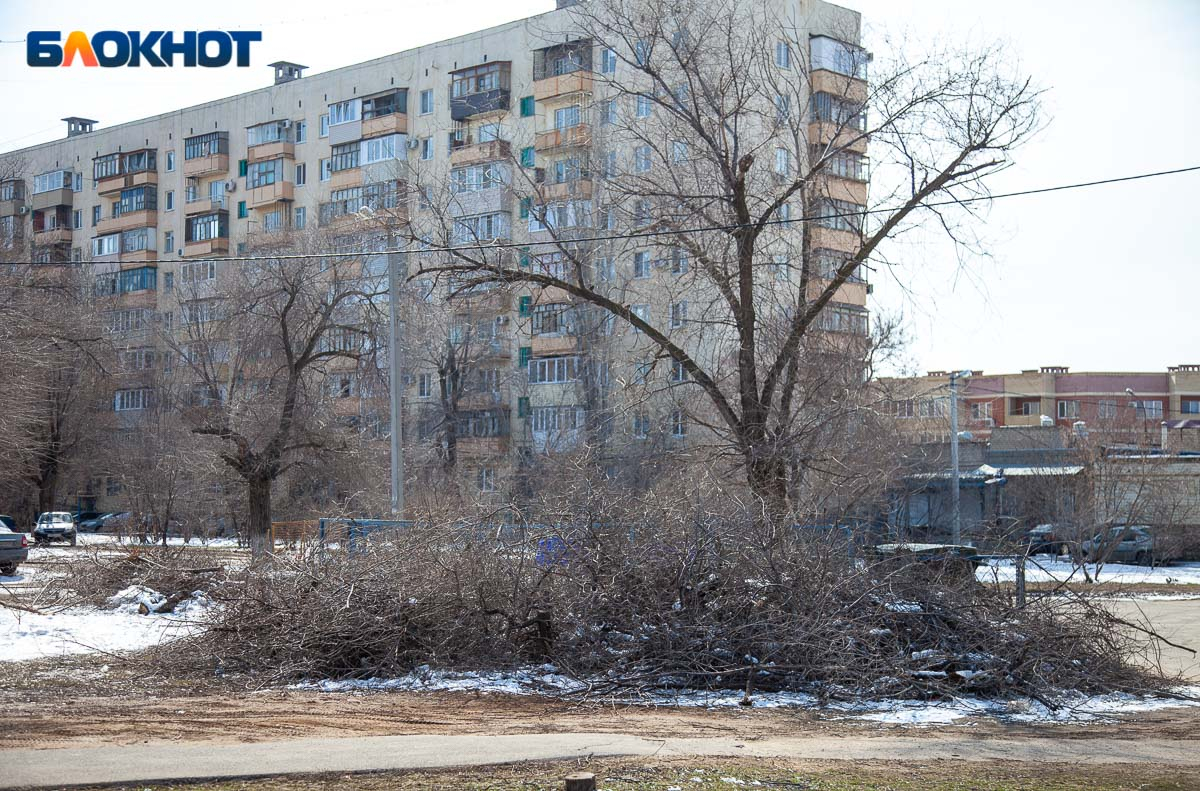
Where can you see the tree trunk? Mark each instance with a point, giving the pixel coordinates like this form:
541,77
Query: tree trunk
259,524
767,478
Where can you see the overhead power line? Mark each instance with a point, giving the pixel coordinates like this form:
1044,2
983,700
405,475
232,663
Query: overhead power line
484,246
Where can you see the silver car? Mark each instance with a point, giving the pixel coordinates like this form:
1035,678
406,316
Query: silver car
55,526
1124,544
14,550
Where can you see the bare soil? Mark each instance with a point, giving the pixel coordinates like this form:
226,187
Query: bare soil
94,701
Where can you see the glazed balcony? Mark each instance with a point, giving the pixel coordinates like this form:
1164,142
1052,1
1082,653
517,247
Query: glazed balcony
12,198
481,89
205,204
114,184
831,135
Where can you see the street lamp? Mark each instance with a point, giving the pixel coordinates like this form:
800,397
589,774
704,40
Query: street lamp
396,384
956,524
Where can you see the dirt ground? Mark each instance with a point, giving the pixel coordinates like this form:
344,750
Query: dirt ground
722,775
92,701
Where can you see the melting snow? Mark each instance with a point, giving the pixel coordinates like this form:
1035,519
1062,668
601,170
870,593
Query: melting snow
1043,568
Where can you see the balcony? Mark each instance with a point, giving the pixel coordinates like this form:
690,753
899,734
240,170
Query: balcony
127,221
348,177
62,196
479,447
481,89
843,189
554,344
205,248
850,292
570,84
826,81
494,101
52,236
392,123
13,204
202,166
273,150
576,136
271,193
575,189
475,153
827,133
482,399
831,239
139,256
206,204
490,301
114,184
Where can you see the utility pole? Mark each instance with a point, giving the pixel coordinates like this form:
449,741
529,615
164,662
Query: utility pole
956,524
396,387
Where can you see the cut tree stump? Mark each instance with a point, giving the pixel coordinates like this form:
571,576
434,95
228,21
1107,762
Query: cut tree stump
581,781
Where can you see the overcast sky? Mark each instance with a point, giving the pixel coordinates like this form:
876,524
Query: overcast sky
1105,278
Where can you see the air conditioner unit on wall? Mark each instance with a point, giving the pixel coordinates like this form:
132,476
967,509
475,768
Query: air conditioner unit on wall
23,210
286,123
231,185
414,143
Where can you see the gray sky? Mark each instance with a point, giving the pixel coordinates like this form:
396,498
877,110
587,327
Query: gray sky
1105,278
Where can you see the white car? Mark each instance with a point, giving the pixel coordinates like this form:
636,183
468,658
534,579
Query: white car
54,526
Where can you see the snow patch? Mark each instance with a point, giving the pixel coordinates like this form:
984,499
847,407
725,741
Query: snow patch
1044,568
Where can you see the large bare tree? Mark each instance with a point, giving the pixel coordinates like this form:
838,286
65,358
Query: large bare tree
709,144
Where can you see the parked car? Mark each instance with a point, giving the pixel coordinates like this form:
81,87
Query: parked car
8,521
115,522
14,550
55,526
1046,539
88,521
1123,544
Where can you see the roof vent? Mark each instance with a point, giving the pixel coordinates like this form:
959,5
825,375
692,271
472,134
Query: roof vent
79,126
286,71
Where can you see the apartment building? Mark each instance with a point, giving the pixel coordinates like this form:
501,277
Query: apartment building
512,130
1122,407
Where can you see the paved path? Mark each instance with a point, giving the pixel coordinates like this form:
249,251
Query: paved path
171,761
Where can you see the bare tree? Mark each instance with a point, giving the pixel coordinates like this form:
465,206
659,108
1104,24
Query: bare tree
267,347
728,149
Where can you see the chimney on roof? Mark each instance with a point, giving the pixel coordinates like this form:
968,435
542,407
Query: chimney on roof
286,71
565,3
79,126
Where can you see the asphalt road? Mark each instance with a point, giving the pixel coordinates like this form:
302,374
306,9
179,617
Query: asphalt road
165,761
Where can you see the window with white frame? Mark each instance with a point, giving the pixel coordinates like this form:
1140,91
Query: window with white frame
106,245
326,169
426,101
642,159
381,149
641,264
781,266
482,227
301,218
679,314
838,56
323,126
981,410
783,161
783,107
679,372
1107,408
608,112
263,174
1068,409
605,271
487,479
198,271
642,312
345,112
271,132
547,419
643,107
475,178
1148,409
679,152
553,370
132,400
932,407
680,261
426,148
608,62
567,117
608,165
783,55
424,385
904,409
301,129
678,423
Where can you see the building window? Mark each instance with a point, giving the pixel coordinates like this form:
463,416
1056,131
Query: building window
553,370
1148,410
97,213
528,157
679,372
678,424
207,227
642,312
1189,406
641,264
641,425
168,241
344,157
77,219
477,177
170,200
426,148
783,161
838,56
345,112
170,161
380,149
106,245
904,409
608,112
839,215
643,107
1107,408
131,400
783,55
263,174
642,159
1068,409
678,314
168,281
783,107
198,271
301,174
271,132
981,410
487,479
301,218
839,111
566,117
206,145
323,130
424,385
608,62
547,419
301,131
326,173
426,101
